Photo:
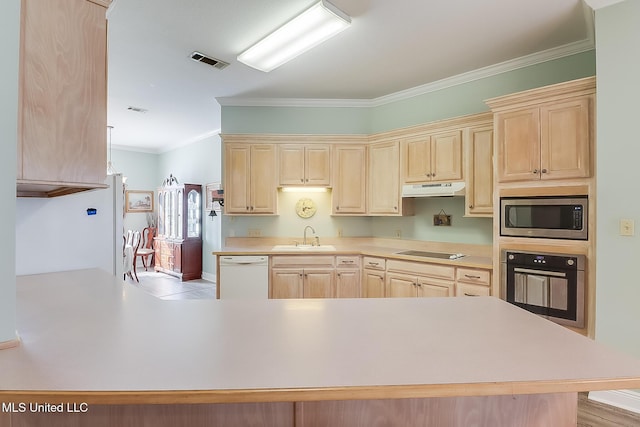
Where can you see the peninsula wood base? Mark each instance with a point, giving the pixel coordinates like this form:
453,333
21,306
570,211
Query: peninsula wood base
552,409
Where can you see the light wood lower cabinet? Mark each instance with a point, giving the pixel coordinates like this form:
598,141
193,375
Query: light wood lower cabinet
302,277
348,277
473,282
413,279
341,276
373,277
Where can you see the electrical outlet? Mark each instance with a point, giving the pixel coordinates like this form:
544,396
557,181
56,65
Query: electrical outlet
398,233
254,232
627,227
339,232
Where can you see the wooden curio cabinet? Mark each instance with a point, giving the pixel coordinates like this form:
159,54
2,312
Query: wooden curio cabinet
178,244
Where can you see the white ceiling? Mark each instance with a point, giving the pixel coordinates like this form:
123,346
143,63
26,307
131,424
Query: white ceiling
390,48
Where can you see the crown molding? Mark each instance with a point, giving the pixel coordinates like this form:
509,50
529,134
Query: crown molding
492,70
599,4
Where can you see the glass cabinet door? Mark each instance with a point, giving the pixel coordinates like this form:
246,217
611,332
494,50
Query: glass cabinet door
179,213
160,213
193,214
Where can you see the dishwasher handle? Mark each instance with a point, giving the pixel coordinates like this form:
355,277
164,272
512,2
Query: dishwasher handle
244,260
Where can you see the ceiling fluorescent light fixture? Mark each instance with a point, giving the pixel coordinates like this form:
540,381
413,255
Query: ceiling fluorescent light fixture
313,26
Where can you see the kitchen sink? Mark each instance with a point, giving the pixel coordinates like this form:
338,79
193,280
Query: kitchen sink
299,248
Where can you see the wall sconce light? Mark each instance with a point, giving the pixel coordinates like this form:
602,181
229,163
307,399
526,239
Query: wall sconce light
212,213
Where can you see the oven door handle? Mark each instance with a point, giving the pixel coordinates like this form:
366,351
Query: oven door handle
540,272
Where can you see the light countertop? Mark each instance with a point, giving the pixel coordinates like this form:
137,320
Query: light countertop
477,256
88,335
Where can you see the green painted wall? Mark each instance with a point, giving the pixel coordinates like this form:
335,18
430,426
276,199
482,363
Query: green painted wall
463,99
468,98
618,151
305,120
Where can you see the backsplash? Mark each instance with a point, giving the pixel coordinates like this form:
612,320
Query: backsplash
418,227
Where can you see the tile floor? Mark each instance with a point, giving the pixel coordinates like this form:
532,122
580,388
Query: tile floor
167,287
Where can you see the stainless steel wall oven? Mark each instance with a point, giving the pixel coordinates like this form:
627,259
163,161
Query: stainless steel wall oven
551,285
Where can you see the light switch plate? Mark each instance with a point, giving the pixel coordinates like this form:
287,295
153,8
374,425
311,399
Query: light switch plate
627,227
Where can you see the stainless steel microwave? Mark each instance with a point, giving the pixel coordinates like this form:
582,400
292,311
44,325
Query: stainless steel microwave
545,217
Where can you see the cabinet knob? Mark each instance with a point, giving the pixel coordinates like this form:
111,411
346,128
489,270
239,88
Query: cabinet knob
470,206
337,208
247,207
433,175
301,179
395,208
543,171
535,171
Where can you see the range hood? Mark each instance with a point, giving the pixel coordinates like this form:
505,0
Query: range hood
433,190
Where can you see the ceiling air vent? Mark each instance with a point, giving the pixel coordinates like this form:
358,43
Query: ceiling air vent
216,63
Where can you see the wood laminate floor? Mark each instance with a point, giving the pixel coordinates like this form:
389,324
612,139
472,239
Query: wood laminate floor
596,414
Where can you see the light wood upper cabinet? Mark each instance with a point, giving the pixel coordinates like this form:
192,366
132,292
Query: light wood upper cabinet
62,136
479,175
384,179
433,158
305,164
349,180
545,133
250,179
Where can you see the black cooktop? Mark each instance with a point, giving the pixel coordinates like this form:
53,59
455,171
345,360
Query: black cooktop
431,254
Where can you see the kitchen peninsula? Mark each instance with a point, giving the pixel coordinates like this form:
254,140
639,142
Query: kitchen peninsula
88,338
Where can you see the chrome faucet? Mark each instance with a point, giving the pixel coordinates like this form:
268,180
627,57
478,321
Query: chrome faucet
304,238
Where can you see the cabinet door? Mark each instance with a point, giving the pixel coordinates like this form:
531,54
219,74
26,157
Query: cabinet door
416,159
446,156
373,284
286,283
177,258
565,140
349,184
292,164
317,163
263,179
348,283
318,283
237,176
479,194
429,287
63,118
400,285
384,178
518,144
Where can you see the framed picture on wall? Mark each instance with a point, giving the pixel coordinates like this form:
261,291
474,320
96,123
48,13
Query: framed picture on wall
214,196
138,201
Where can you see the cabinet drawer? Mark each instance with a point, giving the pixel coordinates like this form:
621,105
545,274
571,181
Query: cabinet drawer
472,275
468,290
302,261
421,268
374,263
350,261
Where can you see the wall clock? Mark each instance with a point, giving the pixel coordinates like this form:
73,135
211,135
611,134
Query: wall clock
305,208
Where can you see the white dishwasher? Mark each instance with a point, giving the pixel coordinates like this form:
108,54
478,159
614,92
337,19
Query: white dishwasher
244,277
